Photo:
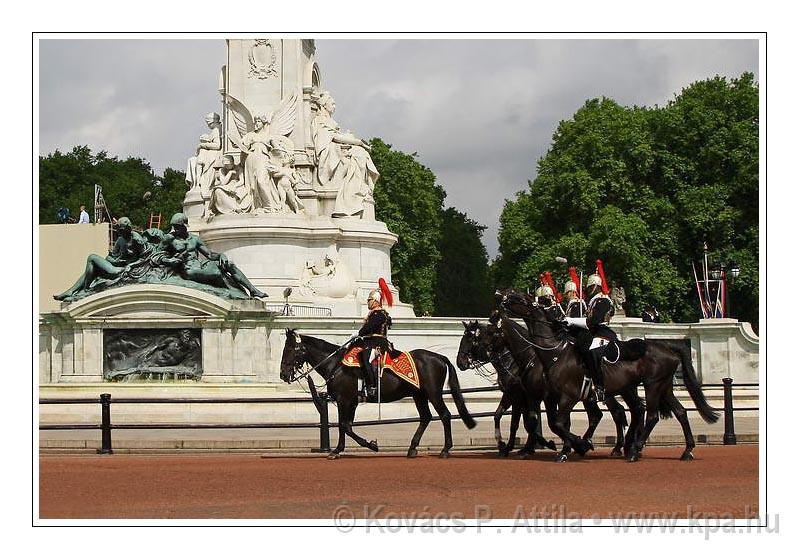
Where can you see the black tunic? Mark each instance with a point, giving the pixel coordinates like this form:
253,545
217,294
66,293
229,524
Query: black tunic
576,308
598,315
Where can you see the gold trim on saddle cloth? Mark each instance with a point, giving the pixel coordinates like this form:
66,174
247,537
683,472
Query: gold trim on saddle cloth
403,367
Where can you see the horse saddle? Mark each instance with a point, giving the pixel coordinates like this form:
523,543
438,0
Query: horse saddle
626,350
399,363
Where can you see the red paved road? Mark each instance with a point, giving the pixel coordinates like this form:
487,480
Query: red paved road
721,481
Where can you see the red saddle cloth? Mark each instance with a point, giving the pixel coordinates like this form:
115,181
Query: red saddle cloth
402,366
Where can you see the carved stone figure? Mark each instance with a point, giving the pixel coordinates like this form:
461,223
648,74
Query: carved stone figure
284,175
151,353
327,277
101,273
257,137
183,252
178,258
343,160
618,297
229,194
200,167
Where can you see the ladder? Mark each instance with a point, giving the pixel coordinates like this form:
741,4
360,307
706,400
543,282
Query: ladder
155,221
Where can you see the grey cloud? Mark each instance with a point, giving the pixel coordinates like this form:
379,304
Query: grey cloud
480,113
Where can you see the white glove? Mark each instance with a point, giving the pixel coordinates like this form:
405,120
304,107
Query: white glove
577,322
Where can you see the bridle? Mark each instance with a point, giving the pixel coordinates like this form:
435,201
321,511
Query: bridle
300,359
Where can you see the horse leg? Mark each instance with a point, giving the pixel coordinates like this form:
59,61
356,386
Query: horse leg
680,415
424,419
348,429
594,414
444,416
617,412
512,432
651,419
562,428
342,414
637,407
551,409
505,402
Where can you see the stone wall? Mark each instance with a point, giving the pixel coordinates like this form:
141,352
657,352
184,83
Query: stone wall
242,342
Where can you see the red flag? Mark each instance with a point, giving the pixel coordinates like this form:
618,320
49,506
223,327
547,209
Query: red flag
386,293
602,274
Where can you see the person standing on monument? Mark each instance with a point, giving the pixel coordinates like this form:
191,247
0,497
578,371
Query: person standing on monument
84,217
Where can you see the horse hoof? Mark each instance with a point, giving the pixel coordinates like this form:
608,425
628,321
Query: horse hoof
444,454
561,458
616,452
551,445
687,456
633,458
373,445
504,452
333,456
412,453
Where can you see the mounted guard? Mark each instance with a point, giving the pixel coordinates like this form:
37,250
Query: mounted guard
576,307
372,337
594,344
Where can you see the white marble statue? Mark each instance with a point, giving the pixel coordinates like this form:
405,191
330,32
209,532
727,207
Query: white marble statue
327,277
343,160
284,175
200,167
259,138
229,194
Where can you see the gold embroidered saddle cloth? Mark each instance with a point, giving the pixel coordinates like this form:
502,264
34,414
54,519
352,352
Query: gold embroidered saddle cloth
402,365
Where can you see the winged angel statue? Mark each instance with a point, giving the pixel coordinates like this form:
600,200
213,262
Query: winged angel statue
269,174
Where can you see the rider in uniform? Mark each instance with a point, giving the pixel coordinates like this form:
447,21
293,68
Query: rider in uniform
547,299
372,335
576,307
599,312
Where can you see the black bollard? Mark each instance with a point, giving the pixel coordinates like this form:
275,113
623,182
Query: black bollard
730,433
105,425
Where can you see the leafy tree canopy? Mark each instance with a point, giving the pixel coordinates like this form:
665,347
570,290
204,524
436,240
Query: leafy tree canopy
641,189
67,180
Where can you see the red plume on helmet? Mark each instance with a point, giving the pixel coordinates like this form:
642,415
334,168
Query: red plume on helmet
549,280
601,273
386,293
573,275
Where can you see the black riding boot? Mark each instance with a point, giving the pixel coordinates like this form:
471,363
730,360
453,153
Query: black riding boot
595,363
370,375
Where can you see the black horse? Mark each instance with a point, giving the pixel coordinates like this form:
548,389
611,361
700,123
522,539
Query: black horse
509,338
654,369
483,344
342,382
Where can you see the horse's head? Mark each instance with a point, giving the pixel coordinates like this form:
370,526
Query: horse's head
518,304
294,356
475,344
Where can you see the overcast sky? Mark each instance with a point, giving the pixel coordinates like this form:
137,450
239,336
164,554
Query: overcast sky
480,113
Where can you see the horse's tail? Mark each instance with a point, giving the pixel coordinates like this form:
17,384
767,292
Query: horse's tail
458,398
693,385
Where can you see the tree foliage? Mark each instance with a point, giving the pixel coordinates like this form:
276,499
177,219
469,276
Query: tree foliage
641,189
67,180
463,287
439,262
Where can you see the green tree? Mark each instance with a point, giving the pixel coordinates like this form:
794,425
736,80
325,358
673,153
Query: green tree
641,189
463,287
68,179
408,199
